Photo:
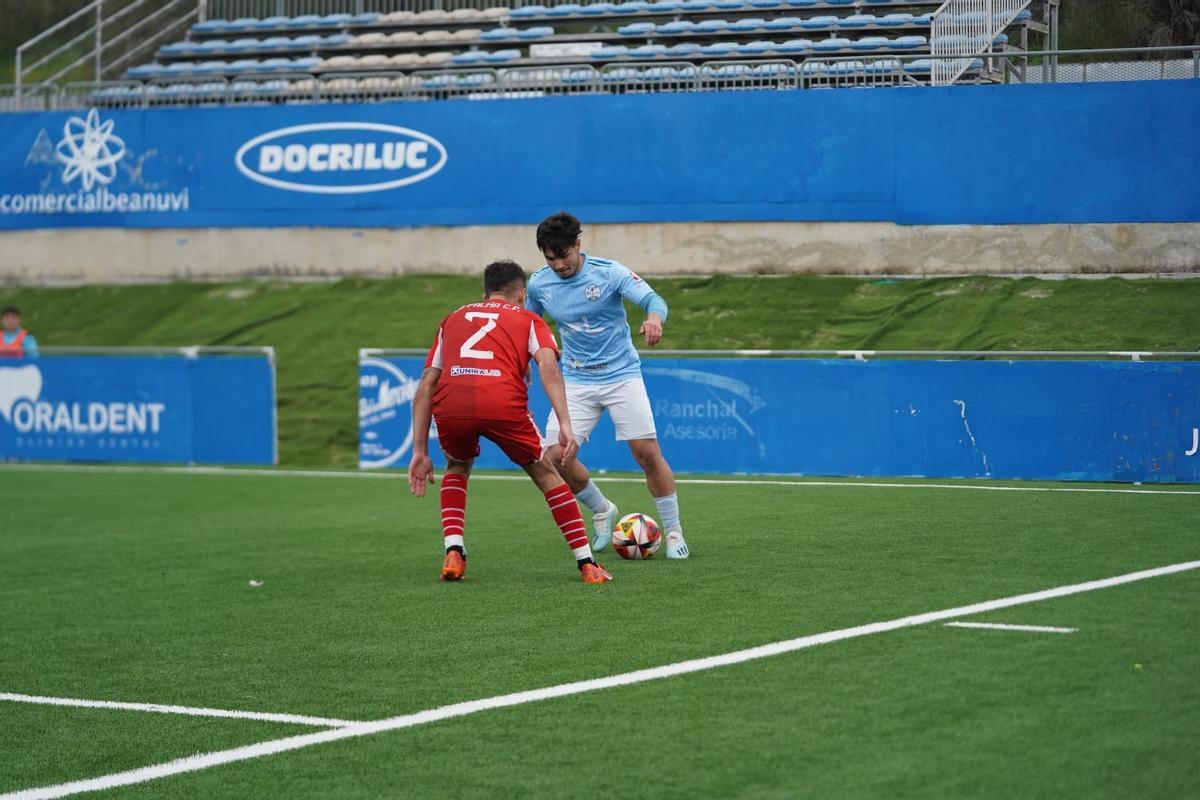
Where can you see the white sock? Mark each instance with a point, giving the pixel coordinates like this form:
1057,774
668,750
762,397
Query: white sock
582,552
668,512
592,497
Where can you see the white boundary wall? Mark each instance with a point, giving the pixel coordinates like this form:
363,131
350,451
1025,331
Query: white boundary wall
116,255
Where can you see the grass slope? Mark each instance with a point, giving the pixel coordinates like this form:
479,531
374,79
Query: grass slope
135,587
318,328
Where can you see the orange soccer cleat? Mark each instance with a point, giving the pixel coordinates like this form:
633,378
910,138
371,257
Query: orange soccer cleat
594,573
454,567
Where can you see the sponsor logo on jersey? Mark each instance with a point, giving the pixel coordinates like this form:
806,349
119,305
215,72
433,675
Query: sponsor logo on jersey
592,293
456,371
341,157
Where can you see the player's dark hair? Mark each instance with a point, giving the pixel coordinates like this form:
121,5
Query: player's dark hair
558,232
502,275
10,310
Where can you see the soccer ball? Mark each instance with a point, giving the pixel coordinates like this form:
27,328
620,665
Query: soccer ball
636,536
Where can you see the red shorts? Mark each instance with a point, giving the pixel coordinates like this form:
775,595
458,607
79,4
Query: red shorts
518,438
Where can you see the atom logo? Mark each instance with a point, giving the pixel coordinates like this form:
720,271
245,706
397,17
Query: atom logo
90,151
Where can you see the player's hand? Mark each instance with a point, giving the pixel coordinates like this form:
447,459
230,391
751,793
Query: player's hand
569,445
420,471
652,329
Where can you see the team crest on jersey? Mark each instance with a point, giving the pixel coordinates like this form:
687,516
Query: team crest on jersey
592,293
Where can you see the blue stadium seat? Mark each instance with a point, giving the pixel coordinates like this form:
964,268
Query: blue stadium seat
1001,38
180,68
272,22
1021,17
242,45
619,75
336,40
729,4
564,10
308,40
801,3
766,3
304,21
923,19
676,27
501,56
794,46
145,70
750,24
336,19
179,48
596,9
365,18
772,70
719,48
213,45
841,2
211,67
528,11
272,43
498,34
578,76
210,25
870,43
814,69
683,49
244,65
467,57
894,20
274,65
648,51
243,23
922,66
438,82
907,42
968,17
857,21
729,72
846,67
665,6
475,80
711,26
540,32
756,48
612,51
637,29
783,23
697,5
830,45
820,23
952,40
883,66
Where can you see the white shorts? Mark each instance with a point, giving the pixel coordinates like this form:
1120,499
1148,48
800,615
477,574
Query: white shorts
626,402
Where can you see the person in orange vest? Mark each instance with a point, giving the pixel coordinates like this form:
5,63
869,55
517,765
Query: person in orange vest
16,342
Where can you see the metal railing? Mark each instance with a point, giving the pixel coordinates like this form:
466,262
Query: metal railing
109,42
1047,66
965,29
867,355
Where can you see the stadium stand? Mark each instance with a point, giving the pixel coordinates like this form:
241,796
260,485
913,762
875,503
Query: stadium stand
568,46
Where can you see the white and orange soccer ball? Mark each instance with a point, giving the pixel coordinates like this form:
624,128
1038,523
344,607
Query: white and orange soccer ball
636,536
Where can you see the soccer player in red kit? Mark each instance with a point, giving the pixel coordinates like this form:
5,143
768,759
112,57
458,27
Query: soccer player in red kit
474,384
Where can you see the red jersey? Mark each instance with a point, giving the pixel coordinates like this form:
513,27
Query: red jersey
483,351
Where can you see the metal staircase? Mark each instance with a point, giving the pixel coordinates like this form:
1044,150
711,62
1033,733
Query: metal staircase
102,39
964,30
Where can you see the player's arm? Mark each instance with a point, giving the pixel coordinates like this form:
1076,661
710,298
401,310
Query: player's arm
31,346
556,390
638,292
420,467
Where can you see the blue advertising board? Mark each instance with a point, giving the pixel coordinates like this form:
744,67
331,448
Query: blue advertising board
1053,420
898,155
175,409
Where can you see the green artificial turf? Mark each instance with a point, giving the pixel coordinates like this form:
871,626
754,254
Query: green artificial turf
134,586
318,328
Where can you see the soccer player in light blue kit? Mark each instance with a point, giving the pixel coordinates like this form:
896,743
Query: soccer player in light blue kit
602,369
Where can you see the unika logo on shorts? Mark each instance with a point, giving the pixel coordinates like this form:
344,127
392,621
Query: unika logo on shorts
592,293
341,157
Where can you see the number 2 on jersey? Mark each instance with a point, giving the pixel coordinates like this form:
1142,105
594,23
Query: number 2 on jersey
467,351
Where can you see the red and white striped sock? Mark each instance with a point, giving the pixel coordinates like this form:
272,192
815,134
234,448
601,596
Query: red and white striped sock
454,510
569,520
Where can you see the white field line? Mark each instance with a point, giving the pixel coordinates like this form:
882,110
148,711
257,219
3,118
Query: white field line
998,626
244,753
398,475
158,708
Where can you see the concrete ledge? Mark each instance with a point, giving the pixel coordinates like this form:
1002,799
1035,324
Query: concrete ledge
135,255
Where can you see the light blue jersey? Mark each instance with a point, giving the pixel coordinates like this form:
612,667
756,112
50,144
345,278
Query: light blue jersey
596,344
